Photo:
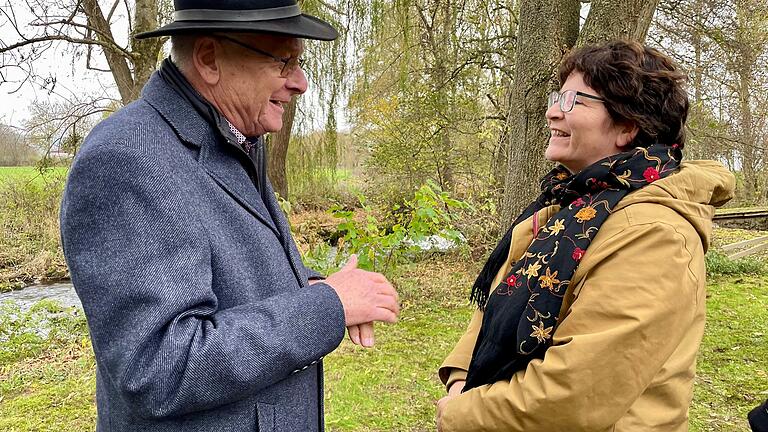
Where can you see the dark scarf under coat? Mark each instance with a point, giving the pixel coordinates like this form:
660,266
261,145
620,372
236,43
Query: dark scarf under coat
521,312
253,147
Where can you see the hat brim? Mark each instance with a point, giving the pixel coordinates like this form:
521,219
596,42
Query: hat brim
302,26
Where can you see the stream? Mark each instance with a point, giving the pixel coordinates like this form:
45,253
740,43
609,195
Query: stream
63,293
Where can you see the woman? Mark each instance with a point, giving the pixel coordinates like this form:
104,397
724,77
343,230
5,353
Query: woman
592,306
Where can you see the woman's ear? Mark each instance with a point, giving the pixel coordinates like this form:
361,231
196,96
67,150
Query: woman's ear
627,133
205,60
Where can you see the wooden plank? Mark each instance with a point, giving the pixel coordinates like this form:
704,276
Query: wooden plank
741,215
744,243
751,251
742,210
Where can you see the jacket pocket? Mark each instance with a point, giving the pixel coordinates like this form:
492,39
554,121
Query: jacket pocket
265,417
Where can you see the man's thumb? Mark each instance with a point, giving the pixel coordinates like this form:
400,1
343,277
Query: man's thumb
351,263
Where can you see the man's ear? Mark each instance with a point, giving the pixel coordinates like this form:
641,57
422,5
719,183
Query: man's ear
627,132
205,60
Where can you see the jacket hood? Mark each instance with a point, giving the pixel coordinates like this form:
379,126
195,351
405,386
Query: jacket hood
693,191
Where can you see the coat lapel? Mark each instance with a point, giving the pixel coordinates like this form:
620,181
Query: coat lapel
230,174
217,161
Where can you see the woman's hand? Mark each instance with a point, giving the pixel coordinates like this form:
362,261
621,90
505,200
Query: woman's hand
456,388
453,391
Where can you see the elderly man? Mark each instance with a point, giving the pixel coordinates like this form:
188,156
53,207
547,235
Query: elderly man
201,312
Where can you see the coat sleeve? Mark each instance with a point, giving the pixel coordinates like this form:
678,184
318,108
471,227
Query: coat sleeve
632,311
455,366
141,262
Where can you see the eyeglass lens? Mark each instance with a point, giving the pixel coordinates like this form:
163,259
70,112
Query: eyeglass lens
566,99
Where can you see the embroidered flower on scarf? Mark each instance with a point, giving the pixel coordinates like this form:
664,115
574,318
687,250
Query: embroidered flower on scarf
578,202
585,214
540,333
548,280
595,184
651,174
533,270
511,280
558,226
577,254
562,176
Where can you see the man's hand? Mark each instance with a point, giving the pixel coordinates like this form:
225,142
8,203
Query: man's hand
456,388
366,297
361,334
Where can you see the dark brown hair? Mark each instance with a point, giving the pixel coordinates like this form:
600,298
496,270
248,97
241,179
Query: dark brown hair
640,85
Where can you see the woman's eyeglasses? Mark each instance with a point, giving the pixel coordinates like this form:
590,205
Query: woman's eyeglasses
567,99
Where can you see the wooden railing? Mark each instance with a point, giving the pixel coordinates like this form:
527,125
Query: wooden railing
745,247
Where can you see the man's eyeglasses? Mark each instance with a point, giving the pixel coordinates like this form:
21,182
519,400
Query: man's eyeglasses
567,99
290,64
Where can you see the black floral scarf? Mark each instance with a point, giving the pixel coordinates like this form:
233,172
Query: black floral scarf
521,312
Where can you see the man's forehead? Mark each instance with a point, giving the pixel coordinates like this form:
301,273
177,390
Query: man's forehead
270,41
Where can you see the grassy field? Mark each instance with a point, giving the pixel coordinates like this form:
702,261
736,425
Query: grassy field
48,384
29,173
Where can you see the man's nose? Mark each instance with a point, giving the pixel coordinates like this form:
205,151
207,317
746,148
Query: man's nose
297,81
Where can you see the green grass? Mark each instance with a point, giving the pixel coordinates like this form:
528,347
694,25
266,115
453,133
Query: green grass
733,360
29,173
48,384
394,386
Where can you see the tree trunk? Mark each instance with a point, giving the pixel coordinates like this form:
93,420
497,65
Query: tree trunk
117,61
744,61
547,30
143,55
278,151
145,51
617,19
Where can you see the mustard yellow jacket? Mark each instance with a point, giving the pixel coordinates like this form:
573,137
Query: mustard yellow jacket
624,354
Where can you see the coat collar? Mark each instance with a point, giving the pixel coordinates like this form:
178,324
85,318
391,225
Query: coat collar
178,112
220,159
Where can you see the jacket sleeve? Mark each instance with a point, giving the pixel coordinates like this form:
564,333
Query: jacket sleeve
141,262
455,366
629,316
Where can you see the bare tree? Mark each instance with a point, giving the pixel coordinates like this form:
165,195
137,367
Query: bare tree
87,29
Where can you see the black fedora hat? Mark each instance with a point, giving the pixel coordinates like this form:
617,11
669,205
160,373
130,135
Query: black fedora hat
282,17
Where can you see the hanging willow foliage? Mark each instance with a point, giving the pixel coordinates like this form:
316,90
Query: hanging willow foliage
426,101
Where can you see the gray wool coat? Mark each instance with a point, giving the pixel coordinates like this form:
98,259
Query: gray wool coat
196,297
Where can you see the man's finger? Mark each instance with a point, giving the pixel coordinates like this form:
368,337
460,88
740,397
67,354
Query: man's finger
366,334
351,263
385,315
354,334
387,302
386,288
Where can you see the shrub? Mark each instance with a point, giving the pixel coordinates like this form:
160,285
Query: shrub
29,227
719,264
431,212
